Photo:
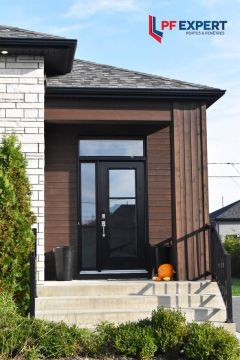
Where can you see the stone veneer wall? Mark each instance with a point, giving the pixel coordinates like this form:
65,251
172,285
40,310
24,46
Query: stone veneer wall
22,112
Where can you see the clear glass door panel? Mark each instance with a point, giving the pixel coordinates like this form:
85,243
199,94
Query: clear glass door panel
88,194
88,215
122,183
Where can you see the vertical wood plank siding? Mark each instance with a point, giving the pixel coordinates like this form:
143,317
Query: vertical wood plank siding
191,188
159,186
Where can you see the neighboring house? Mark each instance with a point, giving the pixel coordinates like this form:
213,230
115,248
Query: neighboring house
227,220
117,160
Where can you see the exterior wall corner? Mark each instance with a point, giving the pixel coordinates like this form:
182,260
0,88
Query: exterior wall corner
22,113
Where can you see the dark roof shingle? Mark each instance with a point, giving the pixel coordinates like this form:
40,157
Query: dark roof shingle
17,33
231,211
86,74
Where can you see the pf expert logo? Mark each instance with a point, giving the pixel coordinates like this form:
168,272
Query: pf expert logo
190,27
164,24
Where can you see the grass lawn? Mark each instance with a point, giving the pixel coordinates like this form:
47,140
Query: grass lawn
235,287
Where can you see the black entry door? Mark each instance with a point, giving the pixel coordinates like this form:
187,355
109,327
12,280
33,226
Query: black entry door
121,211
112,215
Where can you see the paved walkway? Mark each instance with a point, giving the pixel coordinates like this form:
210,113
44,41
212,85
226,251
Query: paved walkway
236,311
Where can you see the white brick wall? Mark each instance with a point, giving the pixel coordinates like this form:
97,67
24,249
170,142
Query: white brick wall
228,228
22,112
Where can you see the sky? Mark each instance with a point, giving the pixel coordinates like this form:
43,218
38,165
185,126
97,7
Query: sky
115,32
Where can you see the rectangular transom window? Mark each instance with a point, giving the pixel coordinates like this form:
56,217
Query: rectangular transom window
108,147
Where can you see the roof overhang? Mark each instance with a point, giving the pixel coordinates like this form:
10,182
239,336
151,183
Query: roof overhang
207,96
58,53
225,220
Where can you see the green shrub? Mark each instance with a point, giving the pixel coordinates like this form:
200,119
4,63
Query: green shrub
14,329
32,353
134,340
232,244
53,340
14,335
105,336
166,331
16,219
8,307
88,344
169,329
206,342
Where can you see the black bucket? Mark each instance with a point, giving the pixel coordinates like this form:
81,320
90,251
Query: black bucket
63,263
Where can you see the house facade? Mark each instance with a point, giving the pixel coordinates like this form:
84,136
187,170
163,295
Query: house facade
227,220
117,159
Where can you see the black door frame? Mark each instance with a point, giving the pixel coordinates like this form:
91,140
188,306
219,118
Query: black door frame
122,263
96,161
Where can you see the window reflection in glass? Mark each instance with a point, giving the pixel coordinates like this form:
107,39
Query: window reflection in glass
88,215
111,147
122,228
122,213
122,183
88,194
116,204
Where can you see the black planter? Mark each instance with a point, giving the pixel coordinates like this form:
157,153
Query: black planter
63,263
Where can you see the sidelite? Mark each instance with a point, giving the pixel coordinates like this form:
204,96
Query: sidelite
112,209
88,215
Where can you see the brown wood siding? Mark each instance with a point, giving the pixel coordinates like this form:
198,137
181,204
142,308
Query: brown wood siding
60,187
159,186
191,188
85,115
61,183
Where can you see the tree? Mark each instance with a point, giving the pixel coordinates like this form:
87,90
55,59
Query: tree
16,220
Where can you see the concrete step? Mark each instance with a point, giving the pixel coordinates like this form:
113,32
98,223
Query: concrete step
92,318
146,302
140,287
205,314
83,318
231,327
89,302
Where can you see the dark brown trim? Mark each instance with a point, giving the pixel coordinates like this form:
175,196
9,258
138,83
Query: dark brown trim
59,115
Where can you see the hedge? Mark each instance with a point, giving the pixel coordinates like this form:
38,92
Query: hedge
166,334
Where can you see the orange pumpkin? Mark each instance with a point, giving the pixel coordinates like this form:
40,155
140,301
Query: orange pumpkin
165,271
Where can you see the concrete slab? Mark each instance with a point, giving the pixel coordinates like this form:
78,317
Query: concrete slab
236,311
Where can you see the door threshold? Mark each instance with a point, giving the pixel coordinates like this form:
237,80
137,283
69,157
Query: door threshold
113,272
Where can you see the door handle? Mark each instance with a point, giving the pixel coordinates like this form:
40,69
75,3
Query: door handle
103,224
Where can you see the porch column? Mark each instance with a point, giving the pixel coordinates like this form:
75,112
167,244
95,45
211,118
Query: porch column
190,189
22,112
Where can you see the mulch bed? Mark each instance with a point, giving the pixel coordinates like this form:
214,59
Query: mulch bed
122,358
